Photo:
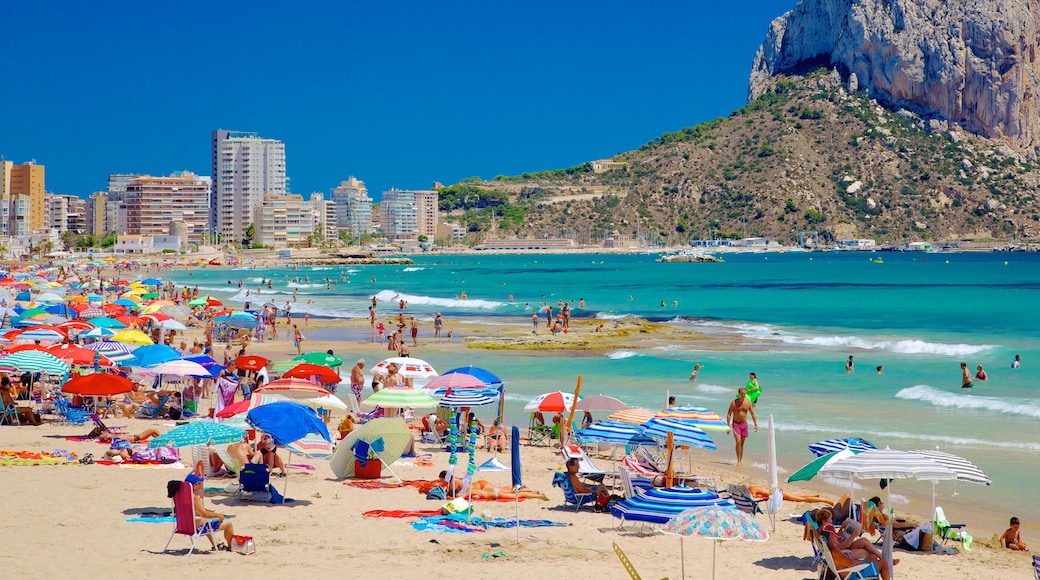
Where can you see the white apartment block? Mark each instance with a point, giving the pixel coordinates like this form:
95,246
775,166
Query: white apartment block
5,195
324,212
408,214
282,220
353,207
67,213
246,169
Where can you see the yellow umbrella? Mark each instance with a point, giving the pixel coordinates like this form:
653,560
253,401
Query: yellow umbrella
134,291
156,306
54,284
132,337
131,297
78,298
110,259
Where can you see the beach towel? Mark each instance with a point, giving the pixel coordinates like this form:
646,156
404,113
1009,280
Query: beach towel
423,486
457,524
400,513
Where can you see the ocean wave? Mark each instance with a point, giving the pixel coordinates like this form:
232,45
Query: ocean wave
321,268
612,316
413,269
709,388
620,354
301,285
940,398
877,435
391,296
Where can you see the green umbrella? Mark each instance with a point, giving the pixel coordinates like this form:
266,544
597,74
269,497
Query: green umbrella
813,467
198,433
401,398
282,366
32,312
320,358
149,296
198,302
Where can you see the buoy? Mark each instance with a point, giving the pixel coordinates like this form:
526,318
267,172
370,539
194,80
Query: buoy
1005,262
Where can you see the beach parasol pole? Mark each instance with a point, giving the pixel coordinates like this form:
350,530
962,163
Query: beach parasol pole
669,473
517,475
570,417
453,457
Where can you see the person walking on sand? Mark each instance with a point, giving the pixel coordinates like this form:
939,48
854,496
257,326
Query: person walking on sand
415,332
965,376
736,419
297,339
534,323
357,379
438,324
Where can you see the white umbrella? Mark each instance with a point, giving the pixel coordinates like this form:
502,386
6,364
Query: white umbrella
776,499
179,368
407,367
171,324
965,470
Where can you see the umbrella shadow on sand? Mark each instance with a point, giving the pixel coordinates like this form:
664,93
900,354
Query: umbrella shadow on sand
785,563
232,501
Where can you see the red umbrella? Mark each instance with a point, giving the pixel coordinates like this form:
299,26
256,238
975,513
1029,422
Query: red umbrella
251,363
113,309
9,348
12,334
78,325
213,302
98,385
155,317
234,409
79,306
77,355
308,371
129,321
221,313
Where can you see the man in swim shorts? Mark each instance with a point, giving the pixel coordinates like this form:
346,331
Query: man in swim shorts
965,377
736,419
357,379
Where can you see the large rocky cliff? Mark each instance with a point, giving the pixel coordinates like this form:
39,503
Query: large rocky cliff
970,62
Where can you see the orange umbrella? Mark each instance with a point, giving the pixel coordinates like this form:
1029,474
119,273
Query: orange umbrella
633,416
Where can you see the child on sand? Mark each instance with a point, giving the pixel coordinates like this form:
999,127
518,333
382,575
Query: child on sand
1011,538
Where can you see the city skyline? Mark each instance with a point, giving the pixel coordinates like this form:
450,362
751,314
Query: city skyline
398,96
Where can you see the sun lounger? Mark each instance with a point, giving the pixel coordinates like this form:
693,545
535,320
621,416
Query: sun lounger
586,468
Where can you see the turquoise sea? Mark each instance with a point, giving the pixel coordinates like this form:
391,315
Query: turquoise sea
800,315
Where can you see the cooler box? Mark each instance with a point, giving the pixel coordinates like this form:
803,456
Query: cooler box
371,470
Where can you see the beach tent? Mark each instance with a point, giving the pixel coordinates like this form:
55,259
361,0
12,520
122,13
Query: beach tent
388,437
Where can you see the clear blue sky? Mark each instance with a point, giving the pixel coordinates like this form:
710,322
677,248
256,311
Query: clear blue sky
398,94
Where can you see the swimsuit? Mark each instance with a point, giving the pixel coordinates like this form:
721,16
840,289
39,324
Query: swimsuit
740,428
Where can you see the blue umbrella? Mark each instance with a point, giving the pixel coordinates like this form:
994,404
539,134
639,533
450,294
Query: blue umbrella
152,354
207,363
658,505
685,434
831,445
287,422
484,375
152,282
61,309
130,304
242,320
614,432
23,295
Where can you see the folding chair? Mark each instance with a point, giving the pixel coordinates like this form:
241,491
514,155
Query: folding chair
153,412
253,477
741,495
856,572
586,468
538,432
9,415
184,511
570,496
1036,565
943,528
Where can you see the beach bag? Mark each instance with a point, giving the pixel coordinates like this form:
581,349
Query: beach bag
456,506
167,455
437,493
243,545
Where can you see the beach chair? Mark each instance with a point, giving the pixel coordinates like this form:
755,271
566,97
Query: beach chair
184,511
230,465
570,496
9,415
69,414
639,466
538,433
943,528
856,572
153,412
115,430
586,468
741,496
810,534
200,453
1036,565
633,486
254,477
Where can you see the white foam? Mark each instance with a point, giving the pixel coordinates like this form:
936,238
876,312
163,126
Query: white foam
765,467
612,316
878,434
940,398
620,354
709,388
301,285
391,296
413,269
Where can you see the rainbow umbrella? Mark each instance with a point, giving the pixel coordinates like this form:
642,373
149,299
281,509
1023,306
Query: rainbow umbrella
717,523
706,419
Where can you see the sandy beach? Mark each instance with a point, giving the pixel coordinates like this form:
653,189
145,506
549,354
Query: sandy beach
77,514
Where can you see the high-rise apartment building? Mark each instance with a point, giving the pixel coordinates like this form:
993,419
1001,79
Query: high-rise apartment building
246,169
153,203
68,213
282,220
5,195
28,211
96,207
353,207
115,208
408,214
324,213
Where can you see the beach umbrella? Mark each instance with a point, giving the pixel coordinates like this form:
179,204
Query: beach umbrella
636,416
97,385
198,433
454,381
329,401
484,375
313,446
34,361
179,368
601,403
387,437
207,363
254,401
319,358
41,319
128,320
715,523
294,389
554,402
401,398
171,324
11,347
77,355
149,295
49,298
127,303
464,398
198,302
99,333
706,419
251,362
151,355
516,473
91,312
287,421
114,351
174,310
965,470
886,464
133,337
40,334
155,317
75,325
809,470
321,373
613,432
62,310
106,322
282,366
407,367
685,434
242,320
660,504
151,282
831,445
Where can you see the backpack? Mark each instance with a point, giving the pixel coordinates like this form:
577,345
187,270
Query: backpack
437,493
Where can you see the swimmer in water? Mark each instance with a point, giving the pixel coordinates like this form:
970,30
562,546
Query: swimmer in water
696,369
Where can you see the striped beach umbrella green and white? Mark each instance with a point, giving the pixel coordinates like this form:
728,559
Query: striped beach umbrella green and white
395,398
34,361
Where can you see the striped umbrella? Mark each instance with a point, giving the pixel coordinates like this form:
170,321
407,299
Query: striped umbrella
198,433
313,446
294,389
706,419
613,432
684,433
91,312
965,470
554,402
464,398
34,361
99,333
810,469
889,464
660,504
41,335
400,398
113,351
832,445
636,416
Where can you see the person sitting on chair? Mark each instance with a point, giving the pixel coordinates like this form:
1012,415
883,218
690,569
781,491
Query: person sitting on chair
204,516
852,548
241,452
440,426
269,451
8,393
601,491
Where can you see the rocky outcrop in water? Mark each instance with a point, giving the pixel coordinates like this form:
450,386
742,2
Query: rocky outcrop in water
969,62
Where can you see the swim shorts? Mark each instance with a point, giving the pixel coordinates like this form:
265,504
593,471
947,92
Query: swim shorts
740,428
967,385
